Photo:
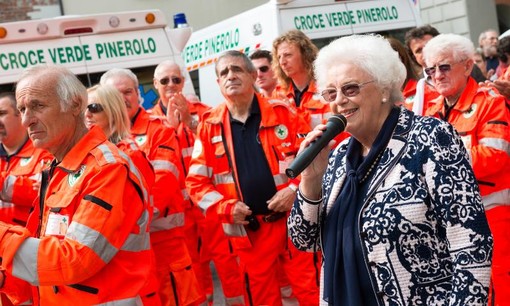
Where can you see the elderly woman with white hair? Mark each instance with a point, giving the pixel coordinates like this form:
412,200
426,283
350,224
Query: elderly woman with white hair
482,118
395,208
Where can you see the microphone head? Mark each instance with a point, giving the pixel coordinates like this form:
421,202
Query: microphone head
337,122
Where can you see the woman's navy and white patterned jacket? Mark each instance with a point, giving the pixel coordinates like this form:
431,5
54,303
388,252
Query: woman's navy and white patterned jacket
425,237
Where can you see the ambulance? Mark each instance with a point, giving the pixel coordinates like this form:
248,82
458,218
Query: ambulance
89,45
321,20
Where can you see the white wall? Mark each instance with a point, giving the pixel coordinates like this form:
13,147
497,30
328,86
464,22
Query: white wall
464,17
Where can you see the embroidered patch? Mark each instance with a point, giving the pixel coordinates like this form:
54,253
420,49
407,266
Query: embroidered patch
281,131
25,161
72,178
470,112
140,139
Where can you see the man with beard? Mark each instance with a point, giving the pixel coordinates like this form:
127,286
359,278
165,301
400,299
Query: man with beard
488,41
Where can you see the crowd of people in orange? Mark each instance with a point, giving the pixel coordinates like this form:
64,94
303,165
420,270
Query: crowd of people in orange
106,203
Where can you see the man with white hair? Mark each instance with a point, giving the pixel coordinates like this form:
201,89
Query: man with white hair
482,118
87,236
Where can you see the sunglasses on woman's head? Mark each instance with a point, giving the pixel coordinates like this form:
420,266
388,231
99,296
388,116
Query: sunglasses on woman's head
175,80
95,108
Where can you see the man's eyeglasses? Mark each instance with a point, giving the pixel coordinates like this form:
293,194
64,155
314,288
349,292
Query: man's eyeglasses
348,90
95,108
175,80
430,71
263,69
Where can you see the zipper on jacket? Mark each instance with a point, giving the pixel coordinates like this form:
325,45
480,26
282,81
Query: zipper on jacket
230,162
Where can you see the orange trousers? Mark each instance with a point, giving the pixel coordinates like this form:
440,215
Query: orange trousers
178,284
499,223
216,247
271,253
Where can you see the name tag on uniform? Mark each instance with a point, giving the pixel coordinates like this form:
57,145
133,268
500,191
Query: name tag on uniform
57,225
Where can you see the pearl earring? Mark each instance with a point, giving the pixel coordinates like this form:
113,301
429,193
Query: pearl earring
384,100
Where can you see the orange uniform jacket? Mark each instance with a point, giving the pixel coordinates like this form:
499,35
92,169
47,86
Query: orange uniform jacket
311,108
162,150
212,180
20,172
482,119
409,90
91,238
184,134
429,95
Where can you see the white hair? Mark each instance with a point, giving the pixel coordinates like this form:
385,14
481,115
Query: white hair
372,54
459,47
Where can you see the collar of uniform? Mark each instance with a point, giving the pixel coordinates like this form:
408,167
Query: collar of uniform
463,103
74,158
467,96
269,118
254,109
163,108
26,149
140,123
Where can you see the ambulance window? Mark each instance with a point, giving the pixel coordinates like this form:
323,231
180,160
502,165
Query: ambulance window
194,79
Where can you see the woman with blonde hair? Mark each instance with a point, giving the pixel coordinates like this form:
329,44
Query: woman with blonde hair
106,109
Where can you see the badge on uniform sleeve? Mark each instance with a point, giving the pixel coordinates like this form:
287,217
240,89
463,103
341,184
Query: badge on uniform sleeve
281,131
73,177
57,225
140,139
470,112
25,161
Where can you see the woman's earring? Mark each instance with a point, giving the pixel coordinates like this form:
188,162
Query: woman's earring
384,100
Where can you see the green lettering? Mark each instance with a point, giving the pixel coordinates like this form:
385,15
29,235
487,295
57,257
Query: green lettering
69,54
3,58
86,53
99,50
129,50
120,48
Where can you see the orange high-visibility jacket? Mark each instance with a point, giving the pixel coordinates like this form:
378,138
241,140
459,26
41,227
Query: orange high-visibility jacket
159,144
312,109
19,173
184,134
92,243
212,180
482,119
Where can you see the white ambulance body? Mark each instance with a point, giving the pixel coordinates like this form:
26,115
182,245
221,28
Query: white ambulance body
321,20
91,44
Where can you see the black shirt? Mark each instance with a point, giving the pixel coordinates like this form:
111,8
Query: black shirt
298,94
253,172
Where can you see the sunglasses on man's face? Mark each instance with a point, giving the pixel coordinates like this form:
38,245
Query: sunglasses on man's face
95,108
263,69
430,71
348,90
175,80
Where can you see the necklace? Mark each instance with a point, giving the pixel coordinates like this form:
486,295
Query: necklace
372,167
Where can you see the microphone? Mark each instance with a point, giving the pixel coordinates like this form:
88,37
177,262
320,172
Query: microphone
335,125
